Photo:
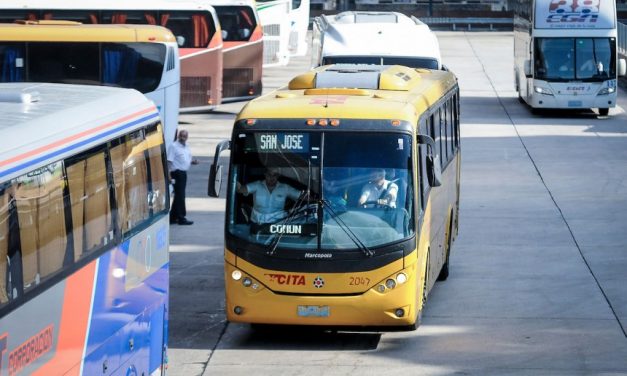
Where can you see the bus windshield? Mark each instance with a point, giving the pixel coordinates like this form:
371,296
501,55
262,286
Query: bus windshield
412,62
130,65
565,59
237,22
321,191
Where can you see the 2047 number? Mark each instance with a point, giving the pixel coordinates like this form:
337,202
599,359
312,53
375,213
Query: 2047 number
359,281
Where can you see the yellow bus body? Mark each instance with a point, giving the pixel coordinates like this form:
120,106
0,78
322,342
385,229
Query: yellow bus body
275,295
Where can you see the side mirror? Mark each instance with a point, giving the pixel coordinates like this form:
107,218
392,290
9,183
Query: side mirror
622,67
528,70
434,168
180,40
214,185
225,34
215,180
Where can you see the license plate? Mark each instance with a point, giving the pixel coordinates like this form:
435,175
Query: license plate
574,104
313,311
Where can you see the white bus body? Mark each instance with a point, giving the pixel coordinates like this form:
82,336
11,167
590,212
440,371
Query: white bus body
565,53
387,38
299,23
274,16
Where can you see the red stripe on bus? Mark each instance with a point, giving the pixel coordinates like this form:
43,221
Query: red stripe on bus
74,322
73,137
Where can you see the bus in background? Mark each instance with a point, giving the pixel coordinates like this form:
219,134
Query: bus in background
375,153
299,19
195,27
274,15
139,57
383,38
83,232
565,54
243,48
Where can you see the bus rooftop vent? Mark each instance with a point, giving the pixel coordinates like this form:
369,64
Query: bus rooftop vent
15,96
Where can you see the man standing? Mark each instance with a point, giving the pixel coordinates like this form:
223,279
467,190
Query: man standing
179,161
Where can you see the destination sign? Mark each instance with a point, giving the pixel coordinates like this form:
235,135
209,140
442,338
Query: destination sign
281,142
286,230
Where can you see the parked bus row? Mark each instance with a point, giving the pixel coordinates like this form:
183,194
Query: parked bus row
220,41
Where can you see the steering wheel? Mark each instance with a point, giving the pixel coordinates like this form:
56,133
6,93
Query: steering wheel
377,203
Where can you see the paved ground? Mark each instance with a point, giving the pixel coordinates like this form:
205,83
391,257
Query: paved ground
538,272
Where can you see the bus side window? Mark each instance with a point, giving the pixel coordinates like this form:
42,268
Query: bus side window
40,212
89,198
436,127
158,198
6,202
449,127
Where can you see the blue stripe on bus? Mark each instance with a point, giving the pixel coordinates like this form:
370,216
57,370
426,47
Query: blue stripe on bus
74,146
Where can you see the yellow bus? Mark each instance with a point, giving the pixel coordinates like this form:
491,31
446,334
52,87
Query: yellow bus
343,197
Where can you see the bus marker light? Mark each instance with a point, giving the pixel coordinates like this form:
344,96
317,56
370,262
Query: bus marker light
236,275
238,310
334,122
390,283
251,91
251,121
311,121
323,122
152,38
396,123
381,288
255,286
247,282
399,312
401,278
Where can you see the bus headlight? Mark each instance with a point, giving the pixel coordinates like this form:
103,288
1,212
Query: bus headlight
607,90
390,283
247,282
401,278
236,275
542,90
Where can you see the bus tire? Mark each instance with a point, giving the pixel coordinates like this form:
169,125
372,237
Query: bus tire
604,111
445,269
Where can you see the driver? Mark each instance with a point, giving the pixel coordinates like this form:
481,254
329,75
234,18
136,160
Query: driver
269,197
378,191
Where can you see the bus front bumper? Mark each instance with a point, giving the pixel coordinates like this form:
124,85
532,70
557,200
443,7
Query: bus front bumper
257,304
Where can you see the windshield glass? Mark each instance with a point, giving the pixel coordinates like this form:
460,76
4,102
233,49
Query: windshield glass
129,65
412,62
321,191
237,22
564,59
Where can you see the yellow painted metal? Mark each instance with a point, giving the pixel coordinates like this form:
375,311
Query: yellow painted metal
68,31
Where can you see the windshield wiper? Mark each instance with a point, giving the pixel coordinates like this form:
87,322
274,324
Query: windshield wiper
362,247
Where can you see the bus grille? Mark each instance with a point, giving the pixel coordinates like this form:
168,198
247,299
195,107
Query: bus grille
237,82
270,50
273,30
195,91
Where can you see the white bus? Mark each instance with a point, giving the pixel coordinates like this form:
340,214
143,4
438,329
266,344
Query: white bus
139,57
383,38
274,16
565,53
83,231
299,24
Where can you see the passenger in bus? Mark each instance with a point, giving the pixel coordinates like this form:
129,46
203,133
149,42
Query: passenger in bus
269,196
378,192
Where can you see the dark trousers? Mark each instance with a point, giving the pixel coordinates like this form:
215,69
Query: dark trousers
178,211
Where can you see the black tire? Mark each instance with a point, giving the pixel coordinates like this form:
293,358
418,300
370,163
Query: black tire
604,111
445,269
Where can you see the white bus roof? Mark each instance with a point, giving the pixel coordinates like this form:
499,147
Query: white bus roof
41,122
378,34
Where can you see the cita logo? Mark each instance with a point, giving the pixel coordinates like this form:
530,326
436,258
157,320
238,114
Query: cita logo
287,279
573,11
318,282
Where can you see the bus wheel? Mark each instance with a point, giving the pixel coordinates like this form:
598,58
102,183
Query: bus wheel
604,111
444,271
